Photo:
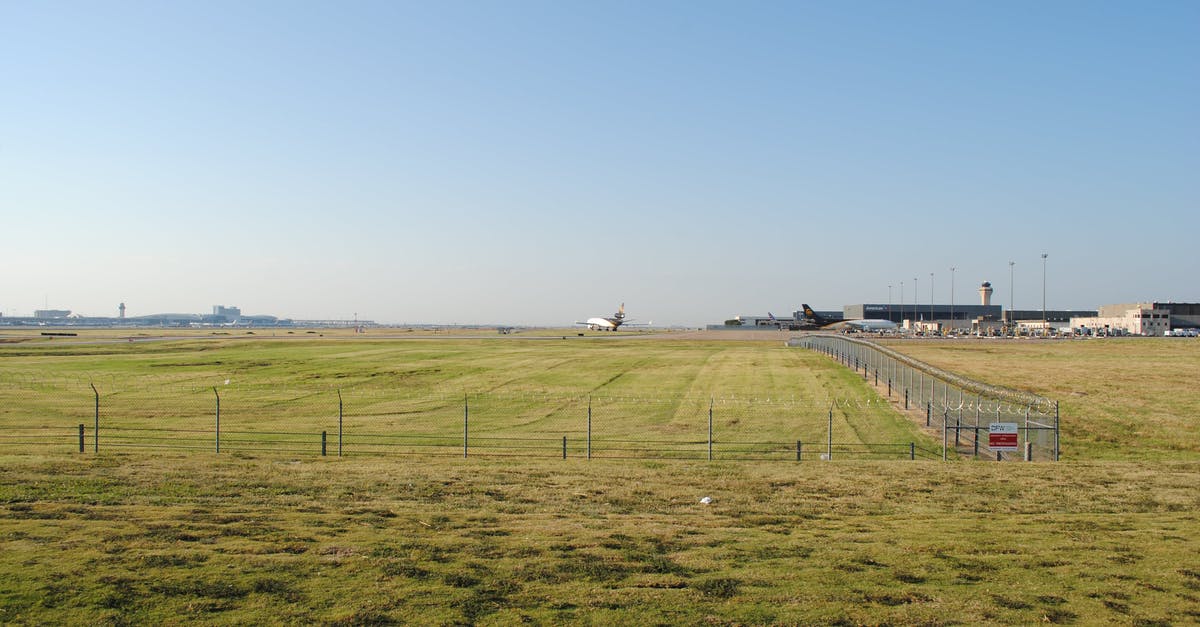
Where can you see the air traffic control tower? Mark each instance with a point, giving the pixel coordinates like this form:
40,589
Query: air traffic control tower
985,294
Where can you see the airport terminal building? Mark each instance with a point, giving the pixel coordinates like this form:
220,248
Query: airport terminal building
919,312
1149,319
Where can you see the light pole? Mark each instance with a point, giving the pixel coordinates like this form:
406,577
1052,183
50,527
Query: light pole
1011,291
931,316
951,298
1045,329
916,296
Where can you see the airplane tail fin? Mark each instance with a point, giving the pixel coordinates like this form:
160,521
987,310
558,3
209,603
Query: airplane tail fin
812,315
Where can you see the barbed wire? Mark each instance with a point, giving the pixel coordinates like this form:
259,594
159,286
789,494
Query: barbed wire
1002,395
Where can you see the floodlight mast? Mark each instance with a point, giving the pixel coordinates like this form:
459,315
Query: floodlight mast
1045,328
952,298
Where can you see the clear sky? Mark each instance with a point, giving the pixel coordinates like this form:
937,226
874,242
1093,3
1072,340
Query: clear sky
542,162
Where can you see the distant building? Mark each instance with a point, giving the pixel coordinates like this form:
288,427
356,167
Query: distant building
918,312
51,314
1183,315
1125,319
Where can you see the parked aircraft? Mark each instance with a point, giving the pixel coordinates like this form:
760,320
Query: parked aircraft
866,324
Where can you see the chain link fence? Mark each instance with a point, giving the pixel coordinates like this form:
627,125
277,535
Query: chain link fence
965,411
39,415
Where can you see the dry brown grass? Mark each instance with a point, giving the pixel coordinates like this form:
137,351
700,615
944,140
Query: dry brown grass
1127,398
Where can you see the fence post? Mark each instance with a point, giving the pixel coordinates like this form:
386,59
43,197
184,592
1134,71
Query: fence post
912,450
564,447
905,398
1028,449
710,418
81,437
797,447
339,422
889,387
589,425
928,413
829,442
945,443
323,443
975,433
466,415
218,418
1055,430
96,424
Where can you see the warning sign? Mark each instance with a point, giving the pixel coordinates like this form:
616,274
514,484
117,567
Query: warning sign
1002,436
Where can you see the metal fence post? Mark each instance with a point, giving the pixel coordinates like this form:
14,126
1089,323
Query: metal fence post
1028,449
946,426
218,418
96,424
710,430
975,433
912,450
1056,431
339,422
81,437
928,413
564,447
797,447
323,443
829,442
945,443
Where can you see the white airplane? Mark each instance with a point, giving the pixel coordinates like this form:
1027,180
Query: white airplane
870,325
609,324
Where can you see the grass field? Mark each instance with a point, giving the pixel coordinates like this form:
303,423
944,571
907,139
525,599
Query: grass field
148,536
236,539
639,390
1121,398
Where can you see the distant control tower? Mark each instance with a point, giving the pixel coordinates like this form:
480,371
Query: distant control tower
122,309
985,294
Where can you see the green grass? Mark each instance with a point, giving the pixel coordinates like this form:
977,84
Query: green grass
144,536
763,397
1121,398
238,539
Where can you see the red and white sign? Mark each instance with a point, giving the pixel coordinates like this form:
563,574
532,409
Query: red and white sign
1002,436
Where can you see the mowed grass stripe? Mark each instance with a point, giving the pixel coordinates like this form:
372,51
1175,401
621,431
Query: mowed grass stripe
640,390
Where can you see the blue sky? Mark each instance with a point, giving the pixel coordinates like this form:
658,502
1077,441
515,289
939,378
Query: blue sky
541,162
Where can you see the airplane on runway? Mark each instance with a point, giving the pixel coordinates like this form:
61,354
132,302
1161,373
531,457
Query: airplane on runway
867,324
610,324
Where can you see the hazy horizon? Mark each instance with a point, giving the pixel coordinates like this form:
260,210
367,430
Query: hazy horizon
542,162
